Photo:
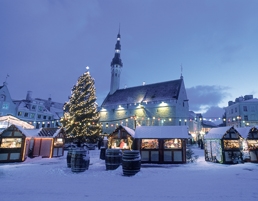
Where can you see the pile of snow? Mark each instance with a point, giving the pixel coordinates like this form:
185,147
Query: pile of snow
44,179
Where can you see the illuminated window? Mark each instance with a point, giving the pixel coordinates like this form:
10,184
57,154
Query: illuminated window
11,143
40,109
150,144
58,142
5,106
231,144
172,144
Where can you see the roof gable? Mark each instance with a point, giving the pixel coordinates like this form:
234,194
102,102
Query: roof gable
218,133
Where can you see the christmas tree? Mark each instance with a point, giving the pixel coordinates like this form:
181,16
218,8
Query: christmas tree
80,113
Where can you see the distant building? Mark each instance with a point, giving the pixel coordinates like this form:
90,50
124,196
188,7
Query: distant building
7,106
242,112
157,104
38,112
199,126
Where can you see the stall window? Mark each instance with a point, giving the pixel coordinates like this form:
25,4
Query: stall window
11,143
58,142
150,144
119,144
252,144
172,144
231,144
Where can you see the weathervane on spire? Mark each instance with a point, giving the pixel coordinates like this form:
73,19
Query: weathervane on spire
181,77
6,77
5,83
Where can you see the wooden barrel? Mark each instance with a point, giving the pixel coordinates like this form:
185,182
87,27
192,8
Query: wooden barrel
113,158
80,160
68,157
131,162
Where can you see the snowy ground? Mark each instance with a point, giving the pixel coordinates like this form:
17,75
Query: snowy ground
49,179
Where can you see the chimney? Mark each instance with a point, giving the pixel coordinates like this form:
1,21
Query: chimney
29,96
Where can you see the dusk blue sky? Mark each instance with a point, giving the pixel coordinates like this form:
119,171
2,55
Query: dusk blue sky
45,46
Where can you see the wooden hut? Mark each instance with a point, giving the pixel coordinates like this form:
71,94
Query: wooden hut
46,142
249,143
161,144
16,143
121,138
223,145
12,145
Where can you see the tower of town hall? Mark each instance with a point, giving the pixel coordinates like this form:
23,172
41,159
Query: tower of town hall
157,104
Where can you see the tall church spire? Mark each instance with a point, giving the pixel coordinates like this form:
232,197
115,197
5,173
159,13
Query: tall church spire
116,66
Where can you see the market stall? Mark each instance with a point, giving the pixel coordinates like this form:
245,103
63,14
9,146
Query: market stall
249,143
12,145
16,143
222,145
46,142
161,144
121,138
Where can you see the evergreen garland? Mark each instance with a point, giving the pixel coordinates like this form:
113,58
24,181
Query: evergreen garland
81,118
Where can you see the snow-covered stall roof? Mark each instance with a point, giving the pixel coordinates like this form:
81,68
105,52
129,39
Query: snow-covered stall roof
42,132
13,120
217,133
161,132
129,130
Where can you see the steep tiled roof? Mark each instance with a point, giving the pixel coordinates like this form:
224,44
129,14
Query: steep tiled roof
151,92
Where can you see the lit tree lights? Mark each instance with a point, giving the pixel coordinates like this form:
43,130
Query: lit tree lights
81,118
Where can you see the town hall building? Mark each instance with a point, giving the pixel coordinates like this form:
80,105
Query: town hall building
158,104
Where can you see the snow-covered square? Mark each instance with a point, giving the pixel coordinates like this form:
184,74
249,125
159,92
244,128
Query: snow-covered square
50,179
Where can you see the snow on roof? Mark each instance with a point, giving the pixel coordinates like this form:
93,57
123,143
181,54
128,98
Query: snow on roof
151,92
161,132
217,133
28,132
13,120
42,132
252,100
129,130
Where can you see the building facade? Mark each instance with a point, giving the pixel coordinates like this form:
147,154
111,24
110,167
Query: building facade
157,104
38,112
242,112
